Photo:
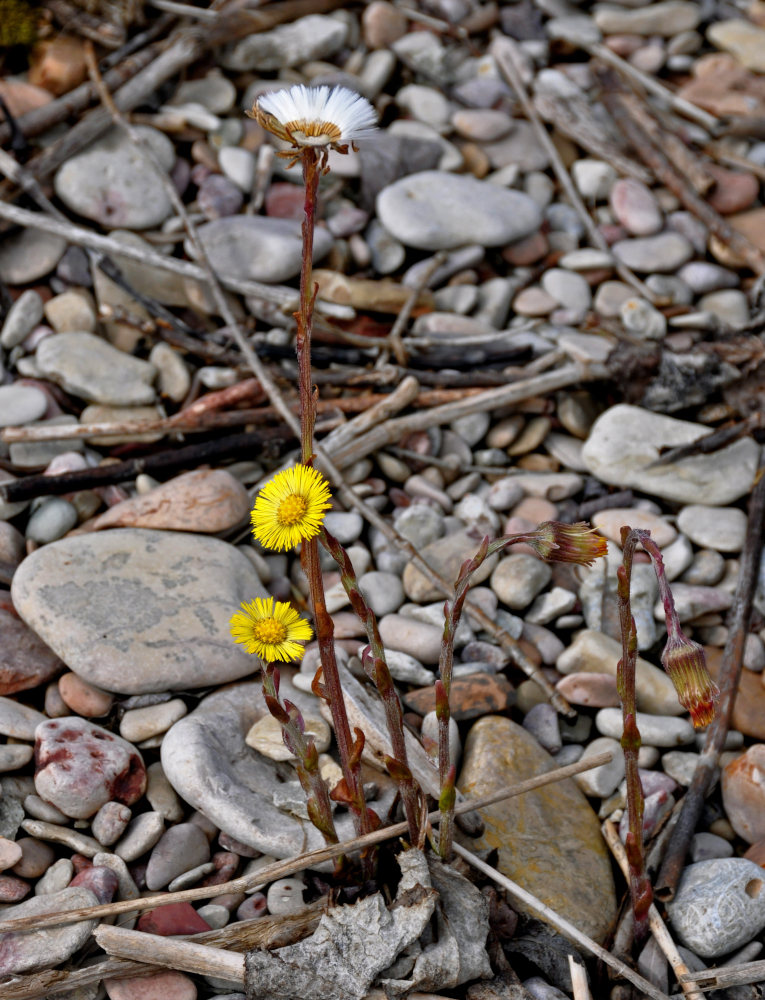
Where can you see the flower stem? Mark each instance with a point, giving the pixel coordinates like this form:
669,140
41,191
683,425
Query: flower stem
349,750
640,886
377,669
304,749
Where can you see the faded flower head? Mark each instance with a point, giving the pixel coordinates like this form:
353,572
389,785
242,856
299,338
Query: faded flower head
319,117
684,661
272,631
290,507
571,543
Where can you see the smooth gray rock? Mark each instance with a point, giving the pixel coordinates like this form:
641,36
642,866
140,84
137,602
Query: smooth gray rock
89,367
257,247
51,520
654,254
383,592
29,255
19,721
209,765
45,949
719,905
178,850
114,183
23,316
434,210
21,404
313,37
133,610
626,440
655,730
720,528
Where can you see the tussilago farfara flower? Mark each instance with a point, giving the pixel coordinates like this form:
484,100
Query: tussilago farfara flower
270,630
684,661
321,117
572,543
290,507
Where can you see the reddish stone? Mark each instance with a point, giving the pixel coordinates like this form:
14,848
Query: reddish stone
58,64
749,707
25,660
226,864
80,863
175,918
253,906
101,881
284,201
743,793
12,889
84,698
526,251
734,190
167,985
756,853
471,697
22,97
80,766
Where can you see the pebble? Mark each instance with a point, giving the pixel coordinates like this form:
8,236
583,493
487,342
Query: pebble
642,320
707,846
593,178
594,652
610,521
265,736
719,528
10,853
446,555
56,878
179,849
161,794
680,765
129,610
12,757
743,796
66,776
603,780
542,722
498,752
439,211
172,920
315,36
29,255
635,207
655,730
666,18
140,724
54,517
113,183
518,578
21,404
707,569
692,601
258,248
110,822
141,834
83,698
23,316
568,289
25,662
71,311
165,985
285,896
625,440
19,721
663,253
718,906
418,639
92,369
36,858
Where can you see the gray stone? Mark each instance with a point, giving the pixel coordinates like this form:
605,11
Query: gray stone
257,247
707,846
703,276
141,835
655,730
346,526
626,440
14,755
19,721
29,255
285,896
57,877
21,404
384,592
178,850
568,288
316,36
642,320
651,254
89,367
139,724
667,19
446,556
692,601
433,210
45,949
51,520
110,822
406,668
605,779
719,528
419,523
23,316
39,454
115,184
133,610
407,635
718,906
518,579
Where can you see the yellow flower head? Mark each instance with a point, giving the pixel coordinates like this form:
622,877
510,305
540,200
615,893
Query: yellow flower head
290,507
272,631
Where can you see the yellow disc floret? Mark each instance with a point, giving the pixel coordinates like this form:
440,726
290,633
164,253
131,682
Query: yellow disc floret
271,630
290,508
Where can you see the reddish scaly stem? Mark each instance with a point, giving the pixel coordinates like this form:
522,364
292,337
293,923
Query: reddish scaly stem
307,757
347,748
640,887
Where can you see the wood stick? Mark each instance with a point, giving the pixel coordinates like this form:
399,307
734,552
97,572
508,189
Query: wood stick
563,926
658,927
185,956
728,975
579,986
730,672
280,869
285,298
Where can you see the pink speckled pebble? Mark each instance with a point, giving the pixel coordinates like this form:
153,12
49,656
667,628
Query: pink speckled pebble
162,986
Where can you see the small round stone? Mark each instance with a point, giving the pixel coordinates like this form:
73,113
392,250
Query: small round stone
285,896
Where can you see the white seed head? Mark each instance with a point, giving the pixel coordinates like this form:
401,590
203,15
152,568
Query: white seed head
317,116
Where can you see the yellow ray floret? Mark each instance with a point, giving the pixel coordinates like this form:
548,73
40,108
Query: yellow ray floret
290,507
272,631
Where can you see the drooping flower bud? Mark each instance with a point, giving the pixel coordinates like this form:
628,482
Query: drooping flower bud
571,543
684,661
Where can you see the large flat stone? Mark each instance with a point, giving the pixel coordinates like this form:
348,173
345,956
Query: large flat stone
549,840
626,440
133,610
